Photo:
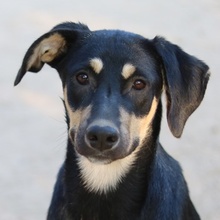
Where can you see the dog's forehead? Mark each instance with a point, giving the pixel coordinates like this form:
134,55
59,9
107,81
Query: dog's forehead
115,37
115,44
113,47
120,50
111,52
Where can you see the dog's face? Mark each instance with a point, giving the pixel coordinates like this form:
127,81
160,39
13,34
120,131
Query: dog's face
112,83
110,96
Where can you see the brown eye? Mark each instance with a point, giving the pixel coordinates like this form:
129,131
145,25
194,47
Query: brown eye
138,84
82,78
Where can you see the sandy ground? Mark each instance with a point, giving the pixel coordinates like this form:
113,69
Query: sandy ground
32,140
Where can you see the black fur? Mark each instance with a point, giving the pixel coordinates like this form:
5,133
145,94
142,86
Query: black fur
154,187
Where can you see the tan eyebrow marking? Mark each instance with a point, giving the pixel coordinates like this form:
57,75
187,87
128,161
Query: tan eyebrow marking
128,70
96,64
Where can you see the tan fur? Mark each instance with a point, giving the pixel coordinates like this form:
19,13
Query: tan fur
97,65
76,116
138,127
47,50
127,70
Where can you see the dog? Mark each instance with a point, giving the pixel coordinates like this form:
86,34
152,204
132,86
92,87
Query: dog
115,168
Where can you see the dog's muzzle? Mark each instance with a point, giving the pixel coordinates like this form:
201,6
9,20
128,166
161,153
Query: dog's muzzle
100,141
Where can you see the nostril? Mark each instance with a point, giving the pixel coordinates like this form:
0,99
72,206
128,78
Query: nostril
112,139
92,137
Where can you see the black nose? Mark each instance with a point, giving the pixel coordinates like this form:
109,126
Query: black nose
102,137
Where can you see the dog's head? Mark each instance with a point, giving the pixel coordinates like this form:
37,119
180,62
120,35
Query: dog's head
112,83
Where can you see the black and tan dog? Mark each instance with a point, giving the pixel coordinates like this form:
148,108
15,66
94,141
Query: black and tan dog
115,167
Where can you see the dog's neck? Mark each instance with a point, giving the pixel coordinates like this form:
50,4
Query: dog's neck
138,174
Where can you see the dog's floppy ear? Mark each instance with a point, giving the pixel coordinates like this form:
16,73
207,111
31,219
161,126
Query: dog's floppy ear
49,48
185,81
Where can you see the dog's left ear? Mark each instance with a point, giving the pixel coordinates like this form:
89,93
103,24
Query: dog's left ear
185,81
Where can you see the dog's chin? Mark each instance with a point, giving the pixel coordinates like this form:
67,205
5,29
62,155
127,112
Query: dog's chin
100,160
94,158
103,159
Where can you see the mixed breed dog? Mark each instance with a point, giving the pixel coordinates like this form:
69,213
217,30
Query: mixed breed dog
115,168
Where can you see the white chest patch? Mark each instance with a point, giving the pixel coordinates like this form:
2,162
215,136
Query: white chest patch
103,178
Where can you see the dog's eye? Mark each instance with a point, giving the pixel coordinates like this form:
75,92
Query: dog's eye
139,84
82,78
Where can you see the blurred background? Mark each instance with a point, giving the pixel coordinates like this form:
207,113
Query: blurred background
32,127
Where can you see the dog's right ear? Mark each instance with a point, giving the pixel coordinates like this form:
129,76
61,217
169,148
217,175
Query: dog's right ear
49,48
